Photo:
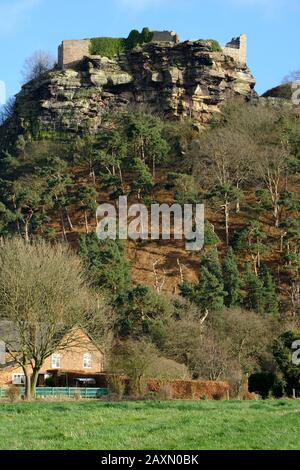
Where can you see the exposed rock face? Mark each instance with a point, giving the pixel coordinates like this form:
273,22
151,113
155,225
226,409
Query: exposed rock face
186,79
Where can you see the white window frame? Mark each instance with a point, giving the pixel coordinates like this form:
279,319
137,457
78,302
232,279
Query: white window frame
18,379
55,361
87,360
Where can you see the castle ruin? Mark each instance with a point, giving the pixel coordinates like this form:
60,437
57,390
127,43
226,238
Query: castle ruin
237,49
71,52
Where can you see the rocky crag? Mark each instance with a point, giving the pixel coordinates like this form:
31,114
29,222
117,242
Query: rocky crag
190,79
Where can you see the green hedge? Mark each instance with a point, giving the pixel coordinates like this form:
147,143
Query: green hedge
109,47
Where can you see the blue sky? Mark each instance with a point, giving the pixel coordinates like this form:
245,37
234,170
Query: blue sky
272,27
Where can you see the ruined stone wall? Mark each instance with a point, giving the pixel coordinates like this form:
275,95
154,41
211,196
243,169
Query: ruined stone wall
237,49
70,52
165,36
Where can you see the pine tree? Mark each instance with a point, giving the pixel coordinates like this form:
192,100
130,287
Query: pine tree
270,295
211,262
254,299
209,292
86,197
105,263
211,239
232,280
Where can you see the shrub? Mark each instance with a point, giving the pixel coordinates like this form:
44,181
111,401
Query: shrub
13,393
168,369
107,47
192,389
132,359
215,46
116,386
262,383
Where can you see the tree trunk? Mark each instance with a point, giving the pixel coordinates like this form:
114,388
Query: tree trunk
27,383
258,260
276,215
86,222
26,229
33,382
26,225
17,221
69,221
238,206
255,264
121,178
226,213
63,228
283,235
93,176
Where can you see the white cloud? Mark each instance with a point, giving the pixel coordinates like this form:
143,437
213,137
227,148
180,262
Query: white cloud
13,12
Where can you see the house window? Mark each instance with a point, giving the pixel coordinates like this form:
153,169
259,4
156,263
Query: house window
18,379
55,361
87,361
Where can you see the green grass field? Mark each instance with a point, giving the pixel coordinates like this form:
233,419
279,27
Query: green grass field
150,425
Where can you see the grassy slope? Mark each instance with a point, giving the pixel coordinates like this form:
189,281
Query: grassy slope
150,425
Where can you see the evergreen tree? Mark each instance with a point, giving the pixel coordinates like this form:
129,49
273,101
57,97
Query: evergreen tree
140,309
144,133
142,184
254,298
211,239
271,300
252,240
86,196
232,280
209,292
211,262
105,263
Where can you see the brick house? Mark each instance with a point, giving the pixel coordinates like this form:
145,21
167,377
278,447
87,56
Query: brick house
81,364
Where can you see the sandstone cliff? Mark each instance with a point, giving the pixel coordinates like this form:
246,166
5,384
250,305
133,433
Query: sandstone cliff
187,79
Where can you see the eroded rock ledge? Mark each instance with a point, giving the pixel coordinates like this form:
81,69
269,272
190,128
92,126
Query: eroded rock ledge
187,79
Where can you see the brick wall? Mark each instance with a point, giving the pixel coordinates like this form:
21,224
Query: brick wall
71,359
70,52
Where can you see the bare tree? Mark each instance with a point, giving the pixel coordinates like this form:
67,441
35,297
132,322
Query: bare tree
36,65
159,280
44,295
222,162
292,77
6,111
272,166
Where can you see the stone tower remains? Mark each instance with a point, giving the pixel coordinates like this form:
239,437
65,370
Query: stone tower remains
237,49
